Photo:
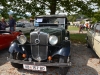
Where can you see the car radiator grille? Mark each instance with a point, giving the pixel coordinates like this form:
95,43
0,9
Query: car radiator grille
39,47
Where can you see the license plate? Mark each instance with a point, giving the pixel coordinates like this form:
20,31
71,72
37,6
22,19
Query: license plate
34,67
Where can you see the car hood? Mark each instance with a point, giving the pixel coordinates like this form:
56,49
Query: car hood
59,32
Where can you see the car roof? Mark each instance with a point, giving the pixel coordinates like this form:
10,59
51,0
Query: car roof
60,16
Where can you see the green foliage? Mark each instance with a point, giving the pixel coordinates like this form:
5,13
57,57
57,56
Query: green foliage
38,7
96,16
72,18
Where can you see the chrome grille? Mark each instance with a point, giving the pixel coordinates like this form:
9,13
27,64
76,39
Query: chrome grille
39,49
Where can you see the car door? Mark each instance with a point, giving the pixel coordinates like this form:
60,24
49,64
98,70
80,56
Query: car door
5,39
8,38
90,36
2,41
96,40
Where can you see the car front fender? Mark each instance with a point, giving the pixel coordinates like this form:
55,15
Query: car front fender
14,47
65,51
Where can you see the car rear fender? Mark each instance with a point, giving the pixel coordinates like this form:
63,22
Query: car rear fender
65,51
14,47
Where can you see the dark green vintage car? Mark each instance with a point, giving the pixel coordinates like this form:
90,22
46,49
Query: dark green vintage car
49,45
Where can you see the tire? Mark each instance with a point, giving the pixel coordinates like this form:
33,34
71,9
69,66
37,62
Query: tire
16,65
63,70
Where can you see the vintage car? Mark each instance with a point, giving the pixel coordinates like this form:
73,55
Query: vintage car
23,27
49,45
6,38
93,38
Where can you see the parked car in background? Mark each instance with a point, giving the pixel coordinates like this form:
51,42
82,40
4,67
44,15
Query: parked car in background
23,27
49,45
6,38
19,24
93,38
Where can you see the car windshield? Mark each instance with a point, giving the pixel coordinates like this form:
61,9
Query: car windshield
49,21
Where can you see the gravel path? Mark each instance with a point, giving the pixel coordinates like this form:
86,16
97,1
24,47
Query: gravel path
84,62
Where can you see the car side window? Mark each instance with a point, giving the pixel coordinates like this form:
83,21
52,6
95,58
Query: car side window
93,27
97,29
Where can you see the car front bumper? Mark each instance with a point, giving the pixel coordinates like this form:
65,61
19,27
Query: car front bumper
68,64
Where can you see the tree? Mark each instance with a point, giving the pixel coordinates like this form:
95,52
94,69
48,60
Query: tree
96,16
72,18
38,7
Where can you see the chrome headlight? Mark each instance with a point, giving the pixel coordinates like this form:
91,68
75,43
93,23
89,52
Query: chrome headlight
66,38
22,39
53,40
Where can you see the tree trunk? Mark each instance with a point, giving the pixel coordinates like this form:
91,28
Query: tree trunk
53,6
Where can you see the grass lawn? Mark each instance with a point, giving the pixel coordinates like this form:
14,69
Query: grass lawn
72,28
78,38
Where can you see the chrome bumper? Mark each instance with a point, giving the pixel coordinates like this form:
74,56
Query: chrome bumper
68,64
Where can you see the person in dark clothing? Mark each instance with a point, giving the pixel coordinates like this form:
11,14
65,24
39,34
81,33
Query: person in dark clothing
81,28
12,23
3,24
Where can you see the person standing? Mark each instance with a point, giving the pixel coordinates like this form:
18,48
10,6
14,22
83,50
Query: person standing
3,24
87,25
81,28
12,23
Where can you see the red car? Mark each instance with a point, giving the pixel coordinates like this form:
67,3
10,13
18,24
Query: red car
6,38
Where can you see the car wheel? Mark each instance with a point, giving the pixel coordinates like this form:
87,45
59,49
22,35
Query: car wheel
63,70
16,65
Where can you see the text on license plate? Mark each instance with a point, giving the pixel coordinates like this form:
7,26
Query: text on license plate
34,67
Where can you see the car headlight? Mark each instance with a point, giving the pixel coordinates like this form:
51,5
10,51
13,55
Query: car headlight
53,40
22,39
66,38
